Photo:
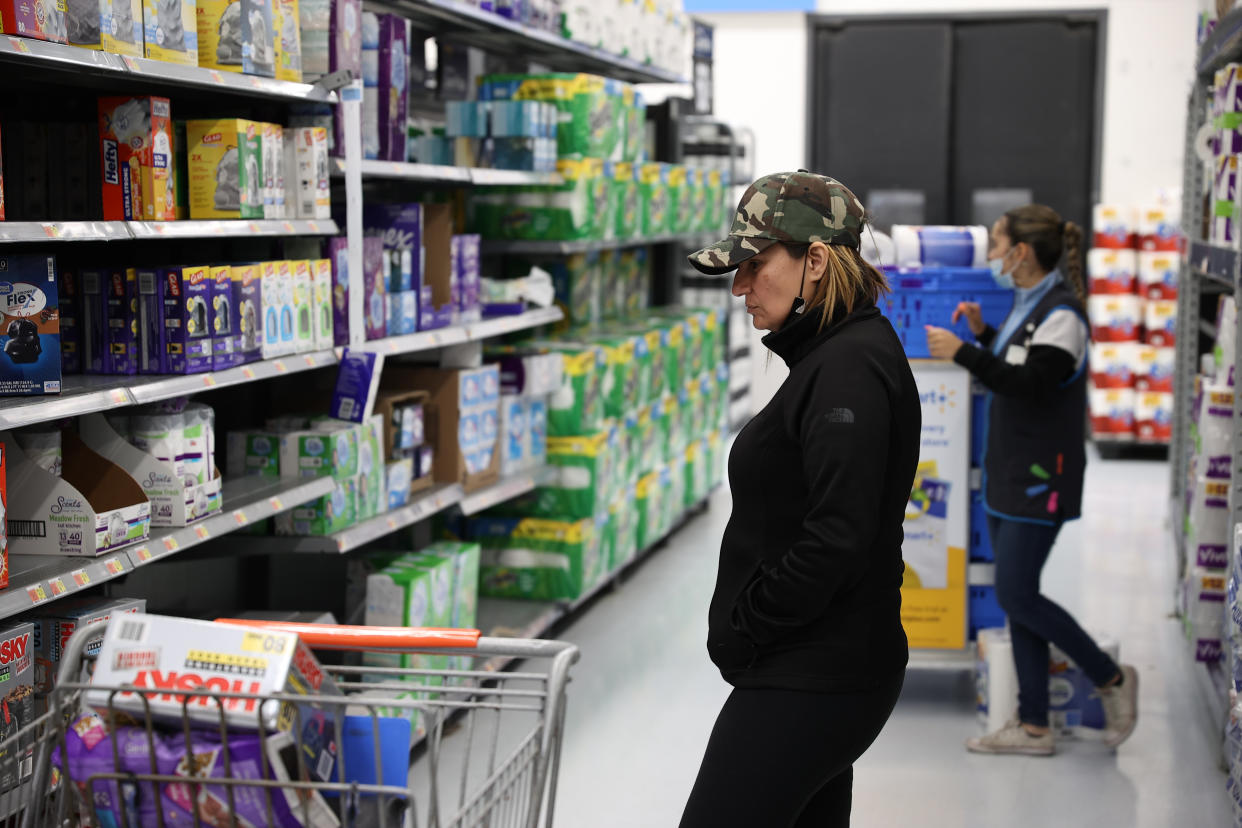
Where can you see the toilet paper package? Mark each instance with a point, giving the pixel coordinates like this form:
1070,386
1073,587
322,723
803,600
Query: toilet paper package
1153,416
372,490
370,85
174,320
236,36
402,313
1160,322
226,348
536,559
1114,227
1214,431
1115,318
1112,411
1158,228
29,326
1112,364
136,159
1153,368
226,169
1225,211
1157,274
122,320
1112,271
170,31
247,298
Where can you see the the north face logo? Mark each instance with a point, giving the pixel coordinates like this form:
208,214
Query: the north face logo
840,415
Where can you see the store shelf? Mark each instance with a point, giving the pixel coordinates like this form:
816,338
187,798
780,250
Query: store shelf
231,228
1208,329
491,32
948,660
1222,46
443,174
35,580
457,334
152,389
1212,262
566,248
66,231
37,53
508,488
422,506
1113,438
79,395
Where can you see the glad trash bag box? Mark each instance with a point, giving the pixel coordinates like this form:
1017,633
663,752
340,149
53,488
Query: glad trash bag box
226,169
93,507
236,36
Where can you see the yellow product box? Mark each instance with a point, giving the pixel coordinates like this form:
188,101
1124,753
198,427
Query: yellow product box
237,36
226,169
170,31
121,27
287,40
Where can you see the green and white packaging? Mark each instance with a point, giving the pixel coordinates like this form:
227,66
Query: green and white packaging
625,518
680,199
536,559
327,515
611,298
331,450
253,453
578,483
589,108
575,209
372,486
577,407
655,199
626,201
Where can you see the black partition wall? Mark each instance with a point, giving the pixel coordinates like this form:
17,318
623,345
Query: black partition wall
953,119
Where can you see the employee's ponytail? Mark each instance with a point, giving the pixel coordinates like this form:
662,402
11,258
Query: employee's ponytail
1051,238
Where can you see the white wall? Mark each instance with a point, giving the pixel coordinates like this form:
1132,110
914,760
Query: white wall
760,82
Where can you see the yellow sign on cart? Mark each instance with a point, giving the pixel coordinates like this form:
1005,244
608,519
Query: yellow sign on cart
933,600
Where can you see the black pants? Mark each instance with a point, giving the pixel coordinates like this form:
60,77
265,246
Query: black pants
785,759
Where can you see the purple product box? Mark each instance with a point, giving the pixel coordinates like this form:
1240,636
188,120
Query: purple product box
226,345
70,322
247,295
174,320
95,323
469,276
338,254
122,308
344,52
394,76
373,273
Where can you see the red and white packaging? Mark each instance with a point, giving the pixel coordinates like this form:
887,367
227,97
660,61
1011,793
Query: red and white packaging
1112,271
54,626
1153,416
4,511
1157,274
1160,321
1115,318
1158,228
163,654
1112,411
1114,227
17,676
1112,364
1153,368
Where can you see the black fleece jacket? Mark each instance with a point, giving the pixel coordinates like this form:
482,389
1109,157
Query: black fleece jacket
808,594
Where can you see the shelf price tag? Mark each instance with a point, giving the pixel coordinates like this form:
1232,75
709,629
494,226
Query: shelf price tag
288,227
340,544
171,544
132,64
255,82
216,77
114,566
19,45
57,586
310,361
52,231
248,373
143,553
240,517
276,504
80,577
208,380
313,225
119,396
280,366
392,346
392,523
202,532
37,593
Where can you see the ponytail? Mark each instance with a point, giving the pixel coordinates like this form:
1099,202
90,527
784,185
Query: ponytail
1073,260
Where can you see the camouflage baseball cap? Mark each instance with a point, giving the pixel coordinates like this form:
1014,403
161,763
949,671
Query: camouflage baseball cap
798,207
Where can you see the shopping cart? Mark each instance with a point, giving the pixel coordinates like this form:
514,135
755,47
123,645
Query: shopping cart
500,730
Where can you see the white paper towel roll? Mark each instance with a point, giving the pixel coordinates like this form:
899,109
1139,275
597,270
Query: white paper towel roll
940,246
1215,446
1226,339
1209,514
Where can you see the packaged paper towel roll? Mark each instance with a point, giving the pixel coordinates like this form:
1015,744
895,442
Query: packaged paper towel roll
1113,364
162,436
1112,410
1158,227
940,246
1225,352
1160,320
1215,425
42,447
1157,274
1153,368
1114,226
1112,271
1208,515
1153,416
1115,318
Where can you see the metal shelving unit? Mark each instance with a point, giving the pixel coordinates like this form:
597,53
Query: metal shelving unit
567,248
443,174
82,231
35,580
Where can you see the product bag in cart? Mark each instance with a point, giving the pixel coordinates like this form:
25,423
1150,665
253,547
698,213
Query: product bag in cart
235,723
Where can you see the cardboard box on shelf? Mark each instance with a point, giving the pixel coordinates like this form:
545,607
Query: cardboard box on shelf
235,35
174,320
247,296
30,316
93,507
55,624
39,19
170,30
460,405
274,195
226,340
399,427
120,24
226,169
136,159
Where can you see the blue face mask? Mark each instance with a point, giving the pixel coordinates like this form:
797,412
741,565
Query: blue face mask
1004,280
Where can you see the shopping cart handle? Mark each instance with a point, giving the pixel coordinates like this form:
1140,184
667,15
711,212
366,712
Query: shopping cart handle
346,637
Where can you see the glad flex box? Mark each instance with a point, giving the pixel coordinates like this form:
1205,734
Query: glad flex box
136,155
160,655
30,336
170,30
174,320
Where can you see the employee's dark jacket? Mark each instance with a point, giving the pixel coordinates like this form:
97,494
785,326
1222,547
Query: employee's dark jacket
808,592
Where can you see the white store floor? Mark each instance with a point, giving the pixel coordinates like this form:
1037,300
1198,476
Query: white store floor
644,697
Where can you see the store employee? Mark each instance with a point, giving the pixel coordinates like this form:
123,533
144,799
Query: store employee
1035,368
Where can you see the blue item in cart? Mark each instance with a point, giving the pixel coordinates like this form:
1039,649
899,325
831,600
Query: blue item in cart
928,296
358,749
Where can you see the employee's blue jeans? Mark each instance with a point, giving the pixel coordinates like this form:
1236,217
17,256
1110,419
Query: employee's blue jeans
1021,549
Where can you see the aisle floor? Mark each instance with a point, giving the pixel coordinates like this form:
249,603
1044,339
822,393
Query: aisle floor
644,697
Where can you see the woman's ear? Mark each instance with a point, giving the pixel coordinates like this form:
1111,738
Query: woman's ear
816,261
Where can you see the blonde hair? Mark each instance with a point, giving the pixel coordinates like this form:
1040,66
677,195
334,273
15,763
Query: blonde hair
848,281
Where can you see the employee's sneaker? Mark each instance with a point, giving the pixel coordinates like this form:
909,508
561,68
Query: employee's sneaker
1013,738
1120,707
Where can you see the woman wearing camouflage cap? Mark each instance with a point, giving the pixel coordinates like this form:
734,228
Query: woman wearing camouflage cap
805,620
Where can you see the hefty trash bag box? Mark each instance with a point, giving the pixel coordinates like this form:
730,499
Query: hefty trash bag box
136,156
226,169
31,326
93,507
157,654
170,30
236,36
